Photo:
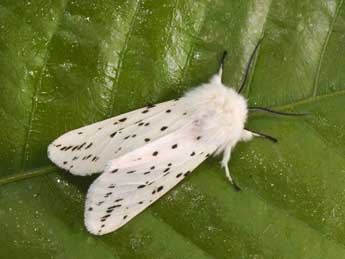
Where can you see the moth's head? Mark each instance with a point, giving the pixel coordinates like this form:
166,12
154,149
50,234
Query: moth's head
238,99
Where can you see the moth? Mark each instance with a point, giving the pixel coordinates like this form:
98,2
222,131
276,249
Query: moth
144,153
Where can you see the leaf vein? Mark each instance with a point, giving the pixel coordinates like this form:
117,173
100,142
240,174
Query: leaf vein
35,97
324,47
121,57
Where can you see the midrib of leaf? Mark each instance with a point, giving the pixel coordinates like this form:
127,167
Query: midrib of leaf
324,47
37,88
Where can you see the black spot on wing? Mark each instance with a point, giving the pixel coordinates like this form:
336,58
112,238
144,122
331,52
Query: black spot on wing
114,206
87,157
81,146
108,194
88,146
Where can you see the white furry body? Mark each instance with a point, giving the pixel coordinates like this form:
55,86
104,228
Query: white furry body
146,152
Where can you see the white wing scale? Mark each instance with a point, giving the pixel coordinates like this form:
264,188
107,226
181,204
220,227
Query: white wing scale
88,149
132,182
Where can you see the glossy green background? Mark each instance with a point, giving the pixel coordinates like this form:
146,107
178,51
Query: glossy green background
64,64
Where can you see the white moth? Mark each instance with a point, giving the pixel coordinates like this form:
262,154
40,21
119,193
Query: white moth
146,152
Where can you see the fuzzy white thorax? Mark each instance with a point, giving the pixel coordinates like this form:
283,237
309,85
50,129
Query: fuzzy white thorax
223,110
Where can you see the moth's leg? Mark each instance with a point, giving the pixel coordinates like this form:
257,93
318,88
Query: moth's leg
225,161
249,134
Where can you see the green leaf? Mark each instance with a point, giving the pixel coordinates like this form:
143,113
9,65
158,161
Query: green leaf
64,64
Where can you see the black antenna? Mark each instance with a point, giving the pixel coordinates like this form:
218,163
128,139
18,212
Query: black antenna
222,60
276,112
249,64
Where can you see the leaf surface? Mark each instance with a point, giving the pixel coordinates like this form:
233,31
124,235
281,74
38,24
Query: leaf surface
65,64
